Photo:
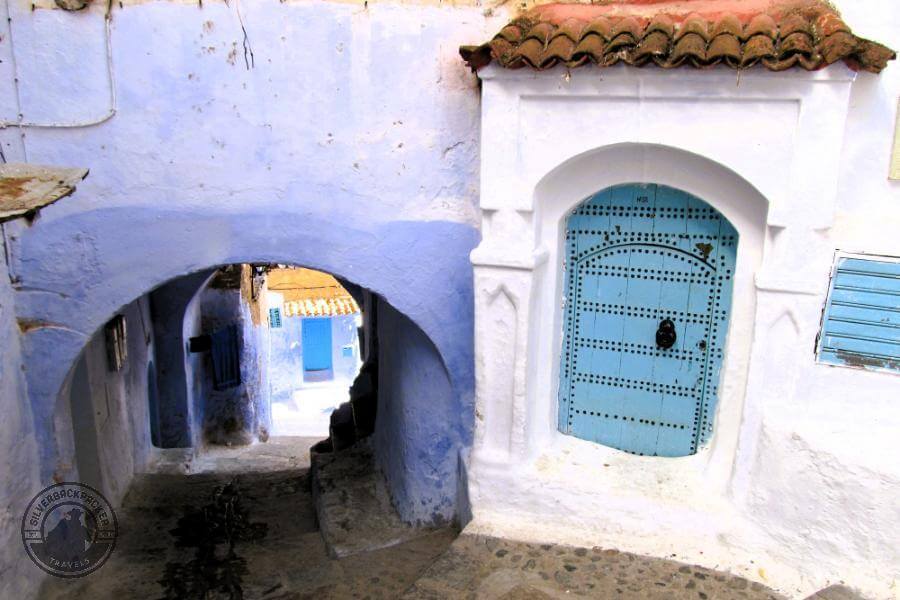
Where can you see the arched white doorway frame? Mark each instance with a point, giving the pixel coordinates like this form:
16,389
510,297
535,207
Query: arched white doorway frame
561,191
521,465
765,150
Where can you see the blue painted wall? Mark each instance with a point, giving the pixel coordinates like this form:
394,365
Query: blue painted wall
236,414
420,427
168,306
193,367
311,158
420,267
18,468
107,413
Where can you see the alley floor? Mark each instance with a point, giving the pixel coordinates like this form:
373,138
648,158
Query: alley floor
172,546
278,554
308,411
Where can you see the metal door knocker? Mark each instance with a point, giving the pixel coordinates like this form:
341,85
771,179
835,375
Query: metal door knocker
665,335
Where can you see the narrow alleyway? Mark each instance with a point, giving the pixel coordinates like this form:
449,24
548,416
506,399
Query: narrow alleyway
164,550
175,531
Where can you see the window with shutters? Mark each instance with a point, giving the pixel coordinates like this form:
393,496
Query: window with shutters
275,318
861,320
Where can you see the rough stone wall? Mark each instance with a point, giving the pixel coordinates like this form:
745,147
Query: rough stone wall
18,465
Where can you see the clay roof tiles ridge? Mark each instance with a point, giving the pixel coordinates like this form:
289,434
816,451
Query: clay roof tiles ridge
776,34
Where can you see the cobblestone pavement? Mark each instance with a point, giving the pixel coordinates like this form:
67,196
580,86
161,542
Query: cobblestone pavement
479,567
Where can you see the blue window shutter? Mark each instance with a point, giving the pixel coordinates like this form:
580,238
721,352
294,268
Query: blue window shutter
226,358
861,324
274,318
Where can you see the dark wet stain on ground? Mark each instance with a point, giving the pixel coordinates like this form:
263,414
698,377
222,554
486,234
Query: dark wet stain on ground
215,530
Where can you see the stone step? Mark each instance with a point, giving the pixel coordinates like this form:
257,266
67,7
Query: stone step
353,507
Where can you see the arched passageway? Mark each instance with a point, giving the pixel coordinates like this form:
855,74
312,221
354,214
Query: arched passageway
106,260
231,343
164,458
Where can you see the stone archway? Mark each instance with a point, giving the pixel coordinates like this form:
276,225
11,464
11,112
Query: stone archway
76,272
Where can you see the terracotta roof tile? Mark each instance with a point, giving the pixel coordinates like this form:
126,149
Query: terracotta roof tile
662,24
572,29
728,25
559,50
600,26
757,48
321,307
689,47
693,24
308,293
725,48
653,46
777,34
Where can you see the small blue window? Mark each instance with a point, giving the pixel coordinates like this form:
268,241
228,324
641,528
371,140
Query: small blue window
274,318
861,324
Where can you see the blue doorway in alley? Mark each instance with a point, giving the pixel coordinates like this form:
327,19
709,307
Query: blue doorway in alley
316,343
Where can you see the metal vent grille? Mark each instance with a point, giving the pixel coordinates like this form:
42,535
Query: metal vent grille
861,324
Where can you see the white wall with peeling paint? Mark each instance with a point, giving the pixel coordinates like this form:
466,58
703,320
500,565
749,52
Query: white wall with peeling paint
799,487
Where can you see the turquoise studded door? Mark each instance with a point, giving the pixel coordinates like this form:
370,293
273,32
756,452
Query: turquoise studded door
648,279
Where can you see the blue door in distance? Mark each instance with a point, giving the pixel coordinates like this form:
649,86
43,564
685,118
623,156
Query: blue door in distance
315,336
649,273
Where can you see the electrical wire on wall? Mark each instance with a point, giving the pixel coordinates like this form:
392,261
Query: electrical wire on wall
111,78
21,123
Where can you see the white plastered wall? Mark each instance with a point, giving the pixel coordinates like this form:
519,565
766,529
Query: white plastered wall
765,149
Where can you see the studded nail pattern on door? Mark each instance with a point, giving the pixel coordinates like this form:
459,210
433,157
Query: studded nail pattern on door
641,259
